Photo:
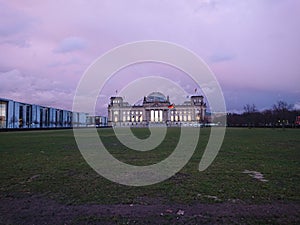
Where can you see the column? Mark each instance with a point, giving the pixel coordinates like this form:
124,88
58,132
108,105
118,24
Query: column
152,115
160,115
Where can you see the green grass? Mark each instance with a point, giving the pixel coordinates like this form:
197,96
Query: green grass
49,162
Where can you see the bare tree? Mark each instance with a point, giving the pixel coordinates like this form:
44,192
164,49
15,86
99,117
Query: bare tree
250,114
250,108
280,110
282,106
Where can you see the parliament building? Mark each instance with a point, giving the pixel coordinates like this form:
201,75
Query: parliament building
156,109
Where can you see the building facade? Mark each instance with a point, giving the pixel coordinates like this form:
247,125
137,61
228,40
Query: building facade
156,109
15,114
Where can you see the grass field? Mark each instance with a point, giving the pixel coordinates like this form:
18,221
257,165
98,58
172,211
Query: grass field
49,164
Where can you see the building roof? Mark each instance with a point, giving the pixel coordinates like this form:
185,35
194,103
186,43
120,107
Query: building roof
156,97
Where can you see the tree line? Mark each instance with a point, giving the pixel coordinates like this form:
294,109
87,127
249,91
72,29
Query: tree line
281,114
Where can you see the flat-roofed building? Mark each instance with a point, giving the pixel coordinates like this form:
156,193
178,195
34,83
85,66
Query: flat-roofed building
15,114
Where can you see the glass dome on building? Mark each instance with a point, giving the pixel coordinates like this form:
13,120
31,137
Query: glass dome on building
156,97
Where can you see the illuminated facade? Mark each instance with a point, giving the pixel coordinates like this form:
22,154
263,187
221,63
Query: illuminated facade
23,115
156,109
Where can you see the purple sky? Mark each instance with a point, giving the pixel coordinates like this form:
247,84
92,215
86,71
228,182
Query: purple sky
252,46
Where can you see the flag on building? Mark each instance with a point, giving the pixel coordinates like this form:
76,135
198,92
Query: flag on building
172,106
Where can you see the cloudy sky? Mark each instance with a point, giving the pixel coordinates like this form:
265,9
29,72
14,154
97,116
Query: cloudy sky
252,46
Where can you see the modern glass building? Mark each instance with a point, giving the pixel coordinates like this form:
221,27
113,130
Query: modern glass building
23,115
156,109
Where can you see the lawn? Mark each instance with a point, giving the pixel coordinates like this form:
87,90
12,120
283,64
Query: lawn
49,164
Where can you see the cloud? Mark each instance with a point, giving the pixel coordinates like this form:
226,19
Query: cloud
22,43
71,44
219,57
297,106
69,62
15,26
12,21
35,90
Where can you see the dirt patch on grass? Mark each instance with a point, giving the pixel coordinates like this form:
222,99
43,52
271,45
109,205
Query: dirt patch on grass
256,175
39,209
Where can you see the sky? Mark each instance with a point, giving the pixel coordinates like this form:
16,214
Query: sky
251,46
